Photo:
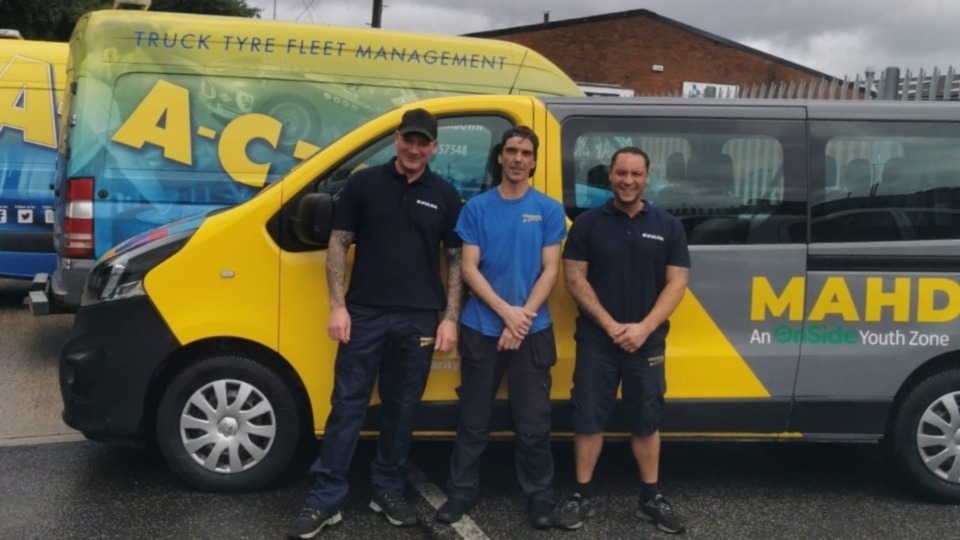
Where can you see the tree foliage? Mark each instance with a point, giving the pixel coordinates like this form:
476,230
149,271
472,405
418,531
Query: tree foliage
50,20
53,20
235,8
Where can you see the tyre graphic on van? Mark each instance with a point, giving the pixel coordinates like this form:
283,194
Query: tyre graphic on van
306,110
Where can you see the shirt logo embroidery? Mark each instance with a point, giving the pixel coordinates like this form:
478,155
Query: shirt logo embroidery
656,237
427,204
531,218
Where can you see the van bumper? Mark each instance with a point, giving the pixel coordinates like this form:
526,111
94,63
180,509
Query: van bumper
61,291
106,367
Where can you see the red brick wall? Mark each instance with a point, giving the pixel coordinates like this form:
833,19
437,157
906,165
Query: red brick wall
623,52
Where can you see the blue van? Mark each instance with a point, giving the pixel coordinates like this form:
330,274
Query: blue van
31,87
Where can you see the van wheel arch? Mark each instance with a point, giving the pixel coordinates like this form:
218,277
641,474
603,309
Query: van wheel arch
906,442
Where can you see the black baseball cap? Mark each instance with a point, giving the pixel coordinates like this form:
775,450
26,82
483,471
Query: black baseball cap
419,121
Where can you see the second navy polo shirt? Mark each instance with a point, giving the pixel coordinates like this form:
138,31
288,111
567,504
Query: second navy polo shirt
627,259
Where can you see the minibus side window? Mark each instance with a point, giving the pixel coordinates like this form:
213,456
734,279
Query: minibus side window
725,180
883,182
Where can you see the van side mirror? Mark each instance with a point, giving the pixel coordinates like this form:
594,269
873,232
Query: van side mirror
314,219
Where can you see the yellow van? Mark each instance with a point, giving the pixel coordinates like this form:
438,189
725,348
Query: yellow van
32,77
822,303
170,115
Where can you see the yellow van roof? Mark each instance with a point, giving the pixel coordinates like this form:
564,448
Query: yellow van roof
18,50
234,45
51,51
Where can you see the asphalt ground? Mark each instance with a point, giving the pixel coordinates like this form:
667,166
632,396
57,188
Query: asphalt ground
29,348
69,489
762,491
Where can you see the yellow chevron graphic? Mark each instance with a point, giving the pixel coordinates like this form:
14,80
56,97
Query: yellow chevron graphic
701,362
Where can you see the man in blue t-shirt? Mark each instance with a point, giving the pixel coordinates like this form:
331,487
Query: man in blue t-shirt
511,257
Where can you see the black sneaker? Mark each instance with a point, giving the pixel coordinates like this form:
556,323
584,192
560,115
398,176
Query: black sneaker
659,511
451,512
574,510
394,508
311,521
541,515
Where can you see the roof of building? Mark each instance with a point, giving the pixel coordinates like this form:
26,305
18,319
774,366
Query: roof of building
649,15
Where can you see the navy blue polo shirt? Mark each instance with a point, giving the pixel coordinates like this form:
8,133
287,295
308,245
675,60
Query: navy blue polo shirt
626,260
398,227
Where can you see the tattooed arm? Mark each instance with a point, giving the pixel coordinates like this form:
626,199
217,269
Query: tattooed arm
575,277
338,325
454,284
447,331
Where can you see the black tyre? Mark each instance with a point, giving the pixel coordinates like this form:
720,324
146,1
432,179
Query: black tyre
228,424
924,439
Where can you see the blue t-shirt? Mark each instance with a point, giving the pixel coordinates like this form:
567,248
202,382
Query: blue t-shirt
510,235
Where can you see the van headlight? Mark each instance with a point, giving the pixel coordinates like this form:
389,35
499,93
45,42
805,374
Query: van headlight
121,276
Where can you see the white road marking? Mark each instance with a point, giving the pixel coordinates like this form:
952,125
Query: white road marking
466,528
42,439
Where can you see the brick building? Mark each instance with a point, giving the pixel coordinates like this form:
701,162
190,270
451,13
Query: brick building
651,54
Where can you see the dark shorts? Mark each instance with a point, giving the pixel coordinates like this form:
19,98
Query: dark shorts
601,367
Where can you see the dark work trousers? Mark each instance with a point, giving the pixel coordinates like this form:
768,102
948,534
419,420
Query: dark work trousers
528,385
387,343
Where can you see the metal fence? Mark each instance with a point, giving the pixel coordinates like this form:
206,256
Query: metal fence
890,85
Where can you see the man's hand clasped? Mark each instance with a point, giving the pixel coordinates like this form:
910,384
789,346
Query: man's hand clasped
517,322
629,337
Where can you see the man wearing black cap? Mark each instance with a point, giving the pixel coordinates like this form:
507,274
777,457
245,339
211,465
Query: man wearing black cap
398,214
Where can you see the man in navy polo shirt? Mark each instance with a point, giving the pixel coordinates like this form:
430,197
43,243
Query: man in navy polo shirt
511,258
626,264
398,214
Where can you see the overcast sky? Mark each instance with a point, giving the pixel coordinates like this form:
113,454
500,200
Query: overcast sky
838,37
